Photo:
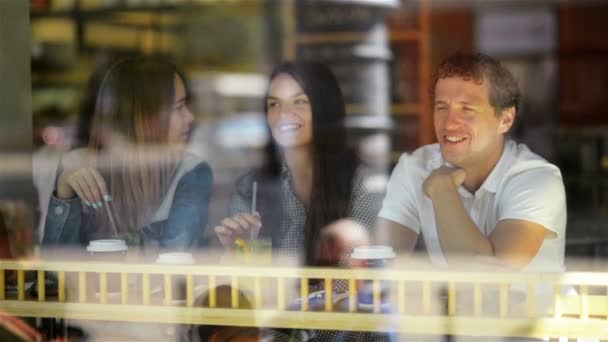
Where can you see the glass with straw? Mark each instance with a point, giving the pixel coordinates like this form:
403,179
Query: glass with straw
255,246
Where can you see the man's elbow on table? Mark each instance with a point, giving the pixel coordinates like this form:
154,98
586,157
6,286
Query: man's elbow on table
516,242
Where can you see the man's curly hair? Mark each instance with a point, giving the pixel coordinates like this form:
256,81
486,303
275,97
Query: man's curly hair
504,92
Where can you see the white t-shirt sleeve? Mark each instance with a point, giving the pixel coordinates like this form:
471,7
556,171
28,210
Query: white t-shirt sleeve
537,196
399,204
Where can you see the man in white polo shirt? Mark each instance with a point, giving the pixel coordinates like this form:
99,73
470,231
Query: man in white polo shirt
476,193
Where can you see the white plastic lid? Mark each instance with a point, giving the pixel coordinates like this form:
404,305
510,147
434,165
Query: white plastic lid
175,258
373,252
109,245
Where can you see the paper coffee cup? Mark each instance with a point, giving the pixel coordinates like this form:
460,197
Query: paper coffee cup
176,294
108,250
107,246
175,259
372,256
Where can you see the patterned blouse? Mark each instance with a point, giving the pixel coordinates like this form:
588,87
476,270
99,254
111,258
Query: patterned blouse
366,200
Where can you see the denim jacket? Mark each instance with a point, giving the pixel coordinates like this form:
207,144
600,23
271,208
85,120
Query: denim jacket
180,228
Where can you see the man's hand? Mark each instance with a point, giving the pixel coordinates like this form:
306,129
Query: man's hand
443,179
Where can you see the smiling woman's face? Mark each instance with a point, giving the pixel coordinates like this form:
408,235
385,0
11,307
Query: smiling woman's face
289,112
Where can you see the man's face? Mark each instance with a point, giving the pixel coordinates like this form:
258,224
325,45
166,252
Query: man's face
468,130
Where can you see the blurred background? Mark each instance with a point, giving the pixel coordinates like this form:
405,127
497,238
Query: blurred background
52,53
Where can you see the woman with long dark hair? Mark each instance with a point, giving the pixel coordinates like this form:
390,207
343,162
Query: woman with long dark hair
136,164
310,177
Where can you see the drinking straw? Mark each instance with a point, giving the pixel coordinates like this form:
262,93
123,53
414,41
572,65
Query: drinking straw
254,199
111,216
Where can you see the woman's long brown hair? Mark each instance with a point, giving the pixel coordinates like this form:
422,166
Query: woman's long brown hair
135,100
334,163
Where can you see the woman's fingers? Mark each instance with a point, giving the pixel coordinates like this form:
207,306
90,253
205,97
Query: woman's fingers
250,223
88,177
244,225
223,231
255,224
234,225
80,186
225,235
241,225
73,183
88,185
101,185
253,220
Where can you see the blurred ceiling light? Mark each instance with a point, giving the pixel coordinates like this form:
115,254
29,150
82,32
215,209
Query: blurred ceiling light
245,85
243,130
393,3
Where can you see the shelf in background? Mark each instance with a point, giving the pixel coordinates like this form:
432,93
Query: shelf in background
101,11
345,37
405,109
405,36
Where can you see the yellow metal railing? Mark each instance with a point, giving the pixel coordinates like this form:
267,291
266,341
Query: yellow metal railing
421,302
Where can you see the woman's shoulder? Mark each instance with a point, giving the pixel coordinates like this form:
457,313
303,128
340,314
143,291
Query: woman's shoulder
369,179
202,170
195,171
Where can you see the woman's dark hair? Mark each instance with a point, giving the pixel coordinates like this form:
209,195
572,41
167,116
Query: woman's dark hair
334,163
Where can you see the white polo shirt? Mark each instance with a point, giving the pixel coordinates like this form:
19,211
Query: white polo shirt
522,186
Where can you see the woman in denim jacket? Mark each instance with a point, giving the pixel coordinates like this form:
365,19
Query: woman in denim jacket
135,181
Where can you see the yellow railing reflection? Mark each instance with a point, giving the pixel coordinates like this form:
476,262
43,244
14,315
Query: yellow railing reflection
421,302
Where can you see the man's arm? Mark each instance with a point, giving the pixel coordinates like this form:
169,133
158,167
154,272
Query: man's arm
458,234
513,242
396,235
516,242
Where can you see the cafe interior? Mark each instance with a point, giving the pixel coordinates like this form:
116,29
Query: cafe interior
383,54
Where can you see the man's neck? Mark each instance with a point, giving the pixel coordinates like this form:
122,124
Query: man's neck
478,173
